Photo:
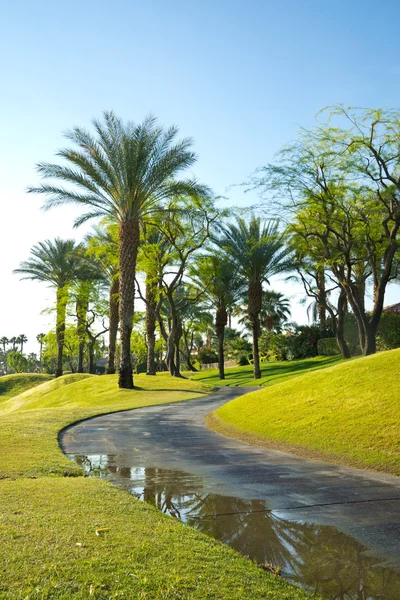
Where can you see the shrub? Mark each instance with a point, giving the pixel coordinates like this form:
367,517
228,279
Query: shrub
327,346
243,360
207,356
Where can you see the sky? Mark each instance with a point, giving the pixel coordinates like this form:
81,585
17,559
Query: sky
239,77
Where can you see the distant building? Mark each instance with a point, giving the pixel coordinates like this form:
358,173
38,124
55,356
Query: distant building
393,309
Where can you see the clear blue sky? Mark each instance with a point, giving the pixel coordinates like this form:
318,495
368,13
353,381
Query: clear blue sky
237,76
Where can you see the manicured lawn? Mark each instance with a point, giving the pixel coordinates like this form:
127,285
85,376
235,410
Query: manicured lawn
12,385
48,542
271,373
349,414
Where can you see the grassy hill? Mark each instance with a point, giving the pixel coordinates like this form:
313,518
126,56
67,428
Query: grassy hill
49,547
349,413
12,385
271,373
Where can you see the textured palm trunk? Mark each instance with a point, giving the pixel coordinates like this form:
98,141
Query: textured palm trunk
254,309
114,320
82,306
129,239
61,310
221,319
269,322
151,317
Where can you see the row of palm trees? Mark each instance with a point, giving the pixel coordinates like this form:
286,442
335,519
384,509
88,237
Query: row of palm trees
14,342
130,174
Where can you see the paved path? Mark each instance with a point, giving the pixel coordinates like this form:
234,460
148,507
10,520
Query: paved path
363,504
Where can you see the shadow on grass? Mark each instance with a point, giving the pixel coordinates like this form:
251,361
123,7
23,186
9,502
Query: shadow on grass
269,371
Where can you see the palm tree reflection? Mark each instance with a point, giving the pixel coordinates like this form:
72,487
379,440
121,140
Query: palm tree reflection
320,558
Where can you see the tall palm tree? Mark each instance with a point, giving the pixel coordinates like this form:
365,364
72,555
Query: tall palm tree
56,263
218,276
40,338
257,247
22,339
125,171
14,343
4,341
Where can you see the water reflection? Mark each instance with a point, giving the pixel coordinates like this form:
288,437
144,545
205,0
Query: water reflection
317,557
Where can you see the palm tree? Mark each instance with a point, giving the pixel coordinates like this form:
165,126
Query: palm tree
125,172
56,263
22,339
4,341
14,343
257,248
218,276
39,338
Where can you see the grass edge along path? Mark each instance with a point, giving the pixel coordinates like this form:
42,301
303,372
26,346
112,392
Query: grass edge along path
347,414
63,537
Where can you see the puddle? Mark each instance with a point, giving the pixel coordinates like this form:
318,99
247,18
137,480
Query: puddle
320,558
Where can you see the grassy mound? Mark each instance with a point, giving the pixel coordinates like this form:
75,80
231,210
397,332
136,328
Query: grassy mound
271,373
49,547
348,414
12,385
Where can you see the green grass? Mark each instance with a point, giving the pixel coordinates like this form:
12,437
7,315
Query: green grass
12,385
48,542
348,414
271,373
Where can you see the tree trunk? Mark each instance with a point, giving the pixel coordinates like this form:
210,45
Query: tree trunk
114,320
82,306
321,303
254,308
221,319
151,305
129,239
61,309
92,366
341,313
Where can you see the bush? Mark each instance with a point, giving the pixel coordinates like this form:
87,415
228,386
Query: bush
388,336
243,360
327,346
207,356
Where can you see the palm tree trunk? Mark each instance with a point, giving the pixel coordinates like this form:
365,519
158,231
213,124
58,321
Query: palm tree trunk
61,309
151,304
129,239
114,320
221,319
82,306
254,308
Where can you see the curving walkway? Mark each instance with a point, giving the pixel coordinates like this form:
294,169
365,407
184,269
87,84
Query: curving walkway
173,437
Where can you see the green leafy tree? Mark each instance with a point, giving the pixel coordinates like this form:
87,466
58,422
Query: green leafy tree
56,263
17,362
125,171
258,249
103,245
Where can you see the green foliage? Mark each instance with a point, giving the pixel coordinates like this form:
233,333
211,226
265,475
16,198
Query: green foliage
243,361
275,346
327,347
388,336
17,362
207,356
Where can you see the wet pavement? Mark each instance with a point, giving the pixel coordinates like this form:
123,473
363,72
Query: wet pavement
332,529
